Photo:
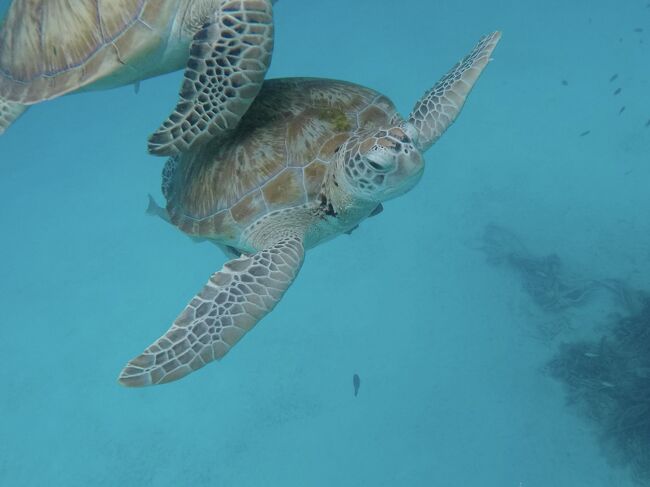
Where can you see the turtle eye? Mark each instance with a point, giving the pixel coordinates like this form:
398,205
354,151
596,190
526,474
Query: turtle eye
381,161
374,165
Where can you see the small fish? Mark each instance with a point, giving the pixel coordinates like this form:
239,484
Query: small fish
638,29
617,91
154,209
647,124
356,382
565,82
586,132
621,110
378,209
136,87
591,354
606,384
613,78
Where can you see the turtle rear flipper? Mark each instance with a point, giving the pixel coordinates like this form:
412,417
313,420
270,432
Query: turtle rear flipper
230,304
9,112
228,60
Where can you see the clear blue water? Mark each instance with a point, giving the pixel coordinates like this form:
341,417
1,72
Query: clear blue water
453,390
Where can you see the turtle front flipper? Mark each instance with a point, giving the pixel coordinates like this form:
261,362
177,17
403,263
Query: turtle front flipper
9,112
228,60
230,304
438,108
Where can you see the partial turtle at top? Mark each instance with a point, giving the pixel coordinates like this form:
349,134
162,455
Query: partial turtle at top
49,48
310,160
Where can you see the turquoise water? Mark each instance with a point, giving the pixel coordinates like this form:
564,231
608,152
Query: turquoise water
451,349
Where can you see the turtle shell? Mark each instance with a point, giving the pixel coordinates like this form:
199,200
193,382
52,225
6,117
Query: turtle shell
52,47
276,158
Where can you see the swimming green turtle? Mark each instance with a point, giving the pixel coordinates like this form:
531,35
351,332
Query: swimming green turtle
310,160
49,48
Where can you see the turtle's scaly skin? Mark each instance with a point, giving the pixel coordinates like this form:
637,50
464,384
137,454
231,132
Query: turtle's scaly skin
308,161
276,159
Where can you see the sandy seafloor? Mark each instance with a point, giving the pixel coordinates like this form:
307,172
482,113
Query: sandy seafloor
452,385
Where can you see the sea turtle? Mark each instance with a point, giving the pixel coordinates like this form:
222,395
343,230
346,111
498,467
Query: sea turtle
309,160
49,48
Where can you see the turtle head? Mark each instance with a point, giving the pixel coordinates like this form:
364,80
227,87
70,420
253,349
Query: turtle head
382,165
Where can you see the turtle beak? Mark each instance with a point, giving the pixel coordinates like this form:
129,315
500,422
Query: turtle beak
410,168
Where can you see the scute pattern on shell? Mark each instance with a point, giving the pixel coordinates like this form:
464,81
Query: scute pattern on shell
52,47
276,158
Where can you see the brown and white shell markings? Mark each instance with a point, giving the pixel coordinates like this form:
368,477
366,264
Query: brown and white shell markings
276,159
309,160
53,47
49,48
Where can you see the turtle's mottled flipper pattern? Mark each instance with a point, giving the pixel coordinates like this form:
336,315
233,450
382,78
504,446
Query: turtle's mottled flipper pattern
311,158
439,107
9,112
230,304
228,60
